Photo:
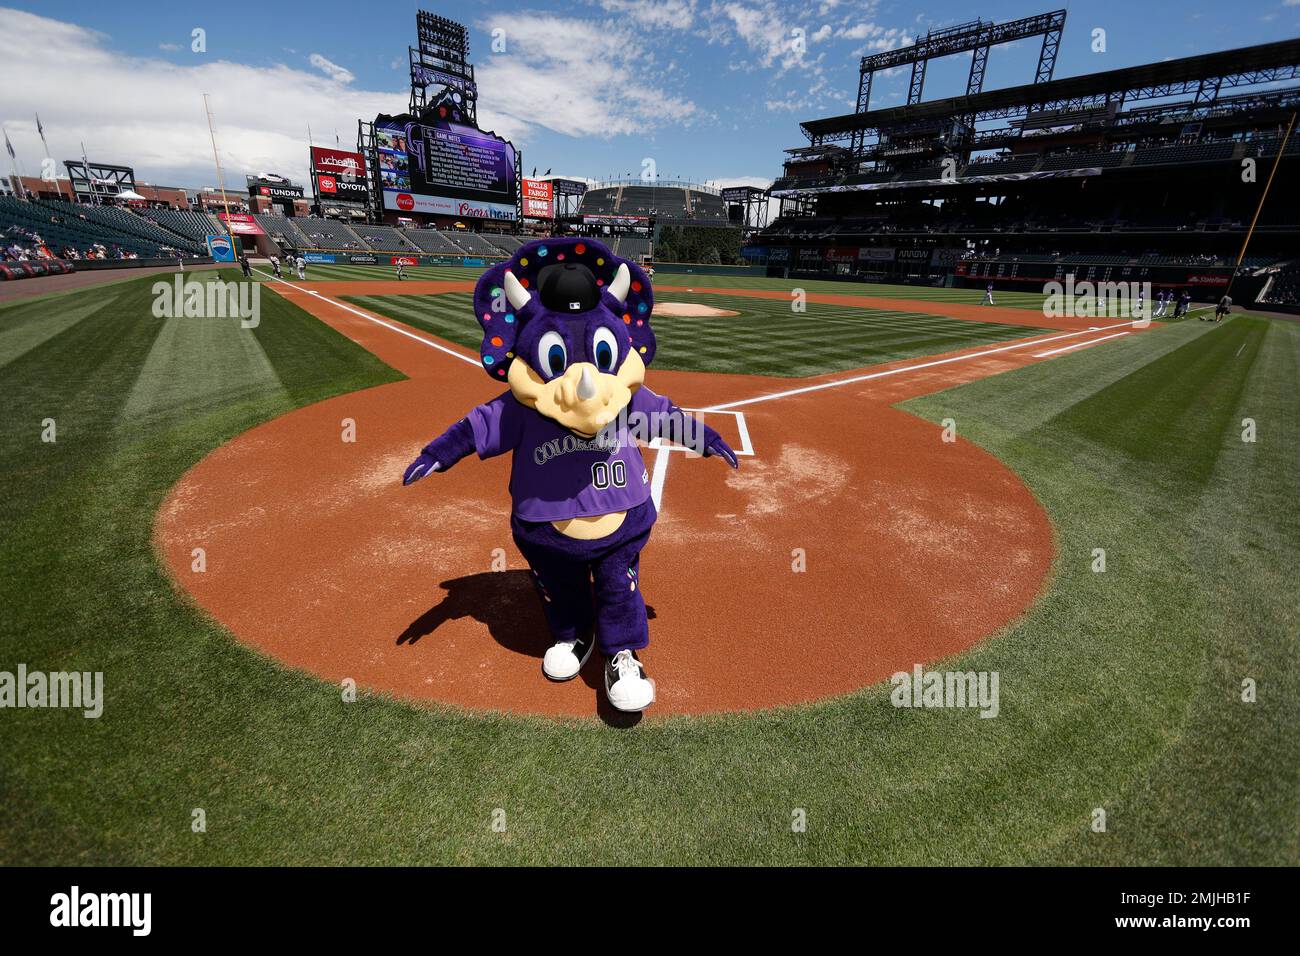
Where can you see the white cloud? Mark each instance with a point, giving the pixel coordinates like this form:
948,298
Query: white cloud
339,74
821,34
667,14
151,114
774,35
576,77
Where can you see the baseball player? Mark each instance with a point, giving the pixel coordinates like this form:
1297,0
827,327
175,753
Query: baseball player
302,268
1223,308
988,295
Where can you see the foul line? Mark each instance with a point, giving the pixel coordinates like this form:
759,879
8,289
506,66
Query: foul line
912,368
1079,345
370,318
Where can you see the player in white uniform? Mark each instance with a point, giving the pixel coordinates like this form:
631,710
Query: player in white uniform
302,268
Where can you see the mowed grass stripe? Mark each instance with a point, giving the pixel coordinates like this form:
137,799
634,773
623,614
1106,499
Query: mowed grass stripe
764,338
197,364
25,325
1121,692
1175,409
325,272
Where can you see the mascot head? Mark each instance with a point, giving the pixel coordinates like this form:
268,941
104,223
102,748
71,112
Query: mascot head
566,323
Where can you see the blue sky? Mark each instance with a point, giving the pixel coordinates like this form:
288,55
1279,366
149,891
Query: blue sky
707,89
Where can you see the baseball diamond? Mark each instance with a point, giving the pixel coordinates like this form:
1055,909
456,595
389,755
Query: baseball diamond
656,434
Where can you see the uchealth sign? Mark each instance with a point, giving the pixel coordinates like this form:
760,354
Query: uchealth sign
538,199
337,162
446,206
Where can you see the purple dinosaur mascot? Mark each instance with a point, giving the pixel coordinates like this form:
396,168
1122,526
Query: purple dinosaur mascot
566,325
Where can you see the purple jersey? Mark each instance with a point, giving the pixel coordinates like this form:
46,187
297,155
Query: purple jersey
557,475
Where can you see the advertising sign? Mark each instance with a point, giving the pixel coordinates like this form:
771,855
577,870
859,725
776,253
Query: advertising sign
220,250
337,162
241,224
445,168
538,199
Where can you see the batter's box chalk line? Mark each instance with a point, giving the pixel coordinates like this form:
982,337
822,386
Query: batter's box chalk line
664,450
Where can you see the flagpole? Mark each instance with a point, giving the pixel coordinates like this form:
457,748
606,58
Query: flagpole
90,180
13,161
221,178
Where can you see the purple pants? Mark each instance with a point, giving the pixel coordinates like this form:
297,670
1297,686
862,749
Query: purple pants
591,584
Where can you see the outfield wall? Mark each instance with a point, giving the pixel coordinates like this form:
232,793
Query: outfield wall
700,269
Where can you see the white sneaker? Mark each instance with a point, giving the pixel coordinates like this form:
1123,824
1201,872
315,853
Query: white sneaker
626,685
564,659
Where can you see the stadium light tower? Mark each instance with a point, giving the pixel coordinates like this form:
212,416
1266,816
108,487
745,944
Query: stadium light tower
977,37
442,59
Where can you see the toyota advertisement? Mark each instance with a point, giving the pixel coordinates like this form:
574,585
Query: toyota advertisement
340,175
445,169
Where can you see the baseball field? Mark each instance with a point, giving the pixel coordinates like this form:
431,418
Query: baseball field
1103,516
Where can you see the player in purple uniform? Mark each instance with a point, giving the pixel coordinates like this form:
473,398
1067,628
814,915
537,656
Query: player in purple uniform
574,354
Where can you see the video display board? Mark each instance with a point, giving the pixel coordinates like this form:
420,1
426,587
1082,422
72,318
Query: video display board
445,168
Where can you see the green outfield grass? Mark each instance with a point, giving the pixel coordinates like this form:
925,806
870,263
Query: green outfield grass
1012,300
765,337
1119,690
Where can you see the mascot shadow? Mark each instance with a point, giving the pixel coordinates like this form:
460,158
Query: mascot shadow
506,603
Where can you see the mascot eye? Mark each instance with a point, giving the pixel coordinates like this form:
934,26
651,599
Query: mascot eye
604,349
552,357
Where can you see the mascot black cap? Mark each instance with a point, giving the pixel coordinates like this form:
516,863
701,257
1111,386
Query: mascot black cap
568,288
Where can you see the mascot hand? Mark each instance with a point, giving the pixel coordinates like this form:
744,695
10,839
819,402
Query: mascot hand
443,452
714,445
417,469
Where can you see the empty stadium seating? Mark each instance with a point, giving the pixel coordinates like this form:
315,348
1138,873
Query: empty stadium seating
1190,153
434,242
62,225
668,203
122,221
385,239
329,234
283,231
185,222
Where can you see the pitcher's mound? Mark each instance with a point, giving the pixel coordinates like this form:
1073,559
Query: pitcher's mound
690,309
